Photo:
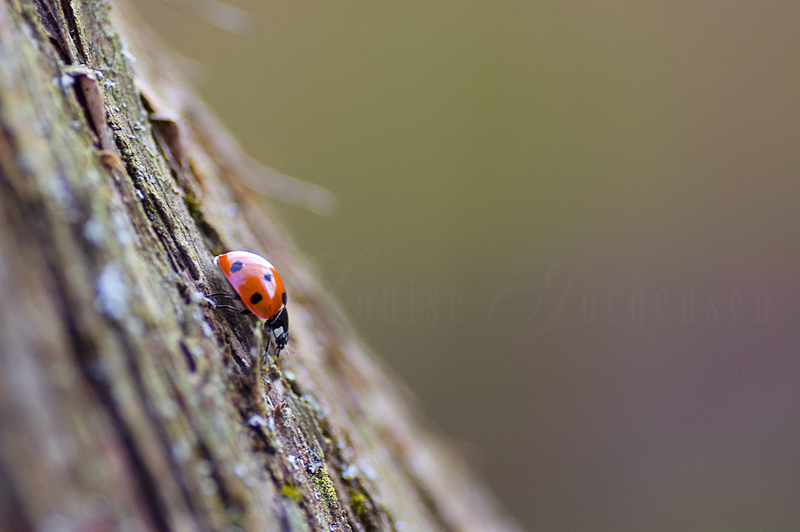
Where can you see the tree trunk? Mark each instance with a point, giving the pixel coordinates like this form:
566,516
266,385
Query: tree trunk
127,400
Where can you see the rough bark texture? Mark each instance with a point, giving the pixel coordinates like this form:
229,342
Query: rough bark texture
127,402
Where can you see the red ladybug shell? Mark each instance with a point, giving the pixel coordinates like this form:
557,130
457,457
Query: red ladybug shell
255,280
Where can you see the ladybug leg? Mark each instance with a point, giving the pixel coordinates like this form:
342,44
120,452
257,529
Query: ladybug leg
244,312
267,333
221,294
217,305
226,307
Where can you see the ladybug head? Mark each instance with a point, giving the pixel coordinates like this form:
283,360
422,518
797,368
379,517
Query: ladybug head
279,325
280,340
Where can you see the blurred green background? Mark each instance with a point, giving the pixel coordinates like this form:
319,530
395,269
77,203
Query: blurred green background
570,227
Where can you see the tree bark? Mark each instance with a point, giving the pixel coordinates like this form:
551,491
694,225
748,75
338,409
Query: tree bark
127,400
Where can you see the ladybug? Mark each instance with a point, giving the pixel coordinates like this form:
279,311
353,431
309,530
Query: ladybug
261,290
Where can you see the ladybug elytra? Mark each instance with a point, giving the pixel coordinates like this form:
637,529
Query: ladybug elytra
261,290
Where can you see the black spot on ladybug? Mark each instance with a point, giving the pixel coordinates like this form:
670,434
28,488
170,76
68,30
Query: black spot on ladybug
268,277
255,298
284,298
236,266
